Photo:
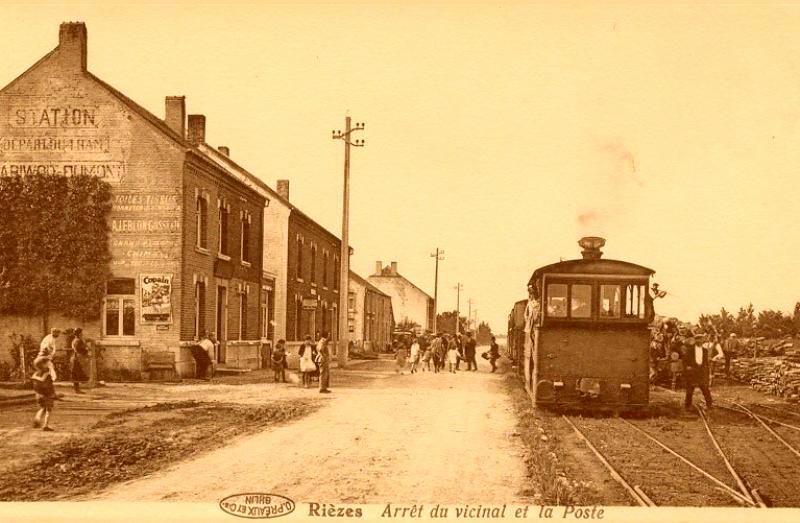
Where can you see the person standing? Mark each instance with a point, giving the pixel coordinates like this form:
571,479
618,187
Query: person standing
459,343
307,365
494,354
696,364
324,356
729,350
469,352
452,358
203,354
414,355
79,356
278,359
47,351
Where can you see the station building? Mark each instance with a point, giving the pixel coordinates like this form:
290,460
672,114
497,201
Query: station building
185,236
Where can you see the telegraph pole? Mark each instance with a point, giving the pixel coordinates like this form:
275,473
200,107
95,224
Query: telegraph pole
344,275
469,313
439,255
458,289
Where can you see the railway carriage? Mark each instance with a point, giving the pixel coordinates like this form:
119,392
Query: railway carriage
590,344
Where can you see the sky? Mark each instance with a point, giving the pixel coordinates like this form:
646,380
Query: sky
498,132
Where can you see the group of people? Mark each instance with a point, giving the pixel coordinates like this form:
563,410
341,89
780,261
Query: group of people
44,375
442,350
314,362
690,356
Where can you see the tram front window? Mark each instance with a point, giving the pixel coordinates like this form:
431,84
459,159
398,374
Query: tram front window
581,301
557,300
610,297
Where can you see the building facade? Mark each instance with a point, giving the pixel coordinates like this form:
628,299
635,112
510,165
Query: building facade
409,302
370,317
185,236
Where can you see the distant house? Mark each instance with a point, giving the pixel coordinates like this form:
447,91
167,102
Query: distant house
409,302
370,317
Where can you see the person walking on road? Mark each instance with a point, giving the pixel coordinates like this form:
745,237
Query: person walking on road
42,381
79,356
203,354
324,359
469,352
696,363
494,354
400,356
278,360
414,355
459,342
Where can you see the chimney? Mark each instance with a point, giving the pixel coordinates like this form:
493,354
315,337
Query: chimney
197,129
72,44
591,247
175,114
283,189
394,268
378,267
224,150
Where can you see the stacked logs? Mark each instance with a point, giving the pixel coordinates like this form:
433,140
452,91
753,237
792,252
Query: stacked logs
779,376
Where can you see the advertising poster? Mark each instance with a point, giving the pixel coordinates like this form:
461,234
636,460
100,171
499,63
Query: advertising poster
156,305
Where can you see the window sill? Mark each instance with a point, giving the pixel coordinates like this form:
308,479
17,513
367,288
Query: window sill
246,264
119,341
223,256
201,250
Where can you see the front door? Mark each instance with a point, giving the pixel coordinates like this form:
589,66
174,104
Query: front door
222,321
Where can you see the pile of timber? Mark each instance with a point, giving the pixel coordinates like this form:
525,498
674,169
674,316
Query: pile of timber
778,375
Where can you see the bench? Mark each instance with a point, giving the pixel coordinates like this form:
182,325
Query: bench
160,366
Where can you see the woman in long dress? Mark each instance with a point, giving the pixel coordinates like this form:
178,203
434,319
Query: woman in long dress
80,355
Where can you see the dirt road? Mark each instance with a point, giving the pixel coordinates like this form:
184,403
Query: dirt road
426,437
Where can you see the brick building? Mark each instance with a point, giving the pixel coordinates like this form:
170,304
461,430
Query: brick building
409,302
370,316
185,235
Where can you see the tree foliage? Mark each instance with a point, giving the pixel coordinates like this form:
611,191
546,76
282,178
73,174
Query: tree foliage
407,325
767,323
484,335
446,322
54,253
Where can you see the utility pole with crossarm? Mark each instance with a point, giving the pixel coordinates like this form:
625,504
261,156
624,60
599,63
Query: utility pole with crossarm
439,255
344,275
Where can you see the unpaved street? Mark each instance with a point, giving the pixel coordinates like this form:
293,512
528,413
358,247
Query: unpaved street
425,437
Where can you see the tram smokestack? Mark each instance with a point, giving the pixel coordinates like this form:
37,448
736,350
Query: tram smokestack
591,247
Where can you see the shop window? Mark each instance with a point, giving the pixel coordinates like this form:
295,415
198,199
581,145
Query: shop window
557,300
202,222
581,301
199,309
610,298
635,301
119,307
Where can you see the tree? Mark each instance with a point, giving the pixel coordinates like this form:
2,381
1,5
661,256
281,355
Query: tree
407,325
446,322
773,324
484,336
746,321
54,253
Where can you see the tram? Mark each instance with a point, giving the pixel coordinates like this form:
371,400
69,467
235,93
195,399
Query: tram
589,343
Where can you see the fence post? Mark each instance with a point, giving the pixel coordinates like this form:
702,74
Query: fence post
22,366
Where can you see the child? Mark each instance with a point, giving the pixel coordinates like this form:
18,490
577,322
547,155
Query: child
279,361
414,356
452,357
426,359
45,392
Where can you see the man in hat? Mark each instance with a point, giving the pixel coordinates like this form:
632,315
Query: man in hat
729,349
696,365
47,351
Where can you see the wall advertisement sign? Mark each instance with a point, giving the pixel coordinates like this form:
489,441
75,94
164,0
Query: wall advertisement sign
156,305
